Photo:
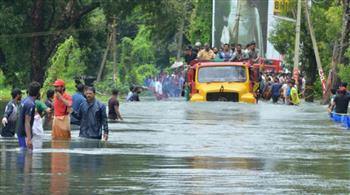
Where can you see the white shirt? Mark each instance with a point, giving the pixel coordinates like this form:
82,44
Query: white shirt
159,88
128,97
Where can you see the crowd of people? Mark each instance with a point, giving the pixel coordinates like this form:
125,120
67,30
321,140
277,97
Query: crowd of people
27,117
281,88
228,52
166,85
270,86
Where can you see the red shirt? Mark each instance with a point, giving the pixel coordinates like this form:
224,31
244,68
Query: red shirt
60,108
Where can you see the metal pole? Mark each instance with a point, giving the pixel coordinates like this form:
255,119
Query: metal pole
297,44
213,25
114,54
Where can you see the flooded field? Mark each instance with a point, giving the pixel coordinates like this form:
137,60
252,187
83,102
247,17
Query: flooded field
176,147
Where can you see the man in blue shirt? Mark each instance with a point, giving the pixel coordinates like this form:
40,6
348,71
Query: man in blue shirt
227,53
93,117
26,116
78,98
276,90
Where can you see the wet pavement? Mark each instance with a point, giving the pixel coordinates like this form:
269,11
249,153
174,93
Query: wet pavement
176,147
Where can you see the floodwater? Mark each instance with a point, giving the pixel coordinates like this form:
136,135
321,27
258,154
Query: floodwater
177,147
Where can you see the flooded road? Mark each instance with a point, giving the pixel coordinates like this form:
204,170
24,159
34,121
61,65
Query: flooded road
176,147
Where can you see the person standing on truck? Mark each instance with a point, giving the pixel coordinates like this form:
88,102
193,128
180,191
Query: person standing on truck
206,54
252,52
189,55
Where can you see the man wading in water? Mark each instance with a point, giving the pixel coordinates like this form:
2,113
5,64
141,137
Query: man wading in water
62,108
113,106
11,114
26,117
93,117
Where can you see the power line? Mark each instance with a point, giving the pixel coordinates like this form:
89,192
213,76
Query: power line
46,33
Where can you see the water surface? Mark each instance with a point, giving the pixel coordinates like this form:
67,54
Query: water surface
176,147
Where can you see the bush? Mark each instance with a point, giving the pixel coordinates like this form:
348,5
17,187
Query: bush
344,73
146,70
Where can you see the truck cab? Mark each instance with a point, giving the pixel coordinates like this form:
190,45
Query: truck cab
221,81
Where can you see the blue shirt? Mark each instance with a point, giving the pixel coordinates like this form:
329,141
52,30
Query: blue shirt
93,117
27,109
226,55
78,98
288,91
275,89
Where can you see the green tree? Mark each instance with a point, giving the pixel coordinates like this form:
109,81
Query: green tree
326,20
200,22
37,28
67,63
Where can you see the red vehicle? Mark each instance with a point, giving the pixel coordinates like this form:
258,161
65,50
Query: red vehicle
269,65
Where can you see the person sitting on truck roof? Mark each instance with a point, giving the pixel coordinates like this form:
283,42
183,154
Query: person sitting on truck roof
226,54
239,55
189,55
206,53
197,47
252,52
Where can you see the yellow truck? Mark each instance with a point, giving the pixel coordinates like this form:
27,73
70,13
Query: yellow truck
221,81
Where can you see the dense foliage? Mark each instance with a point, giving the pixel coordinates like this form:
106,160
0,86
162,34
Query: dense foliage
43,40
327,22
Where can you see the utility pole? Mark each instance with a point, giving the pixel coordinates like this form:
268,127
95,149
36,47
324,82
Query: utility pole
297,45
314,45
103,62
114,52
180,40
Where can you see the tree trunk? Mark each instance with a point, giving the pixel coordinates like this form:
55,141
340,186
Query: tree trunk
311,76
180,40
38,49
345,34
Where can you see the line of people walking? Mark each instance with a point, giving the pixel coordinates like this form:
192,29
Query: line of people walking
82,109
166,85
281,87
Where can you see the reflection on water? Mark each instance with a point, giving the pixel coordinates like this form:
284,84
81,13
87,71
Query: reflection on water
60,168
176,147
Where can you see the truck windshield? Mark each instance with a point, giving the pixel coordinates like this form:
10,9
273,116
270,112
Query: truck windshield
222,74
